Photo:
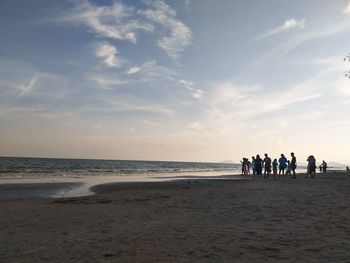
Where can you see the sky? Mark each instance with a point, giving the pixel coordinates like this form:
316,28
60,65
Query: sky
186,80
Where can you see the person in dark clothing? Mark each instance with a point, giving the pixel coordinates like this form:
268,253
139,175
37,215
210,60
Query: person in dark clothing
282,164
267,166
324,166
253,166
293,164
311,166
258,165
274,167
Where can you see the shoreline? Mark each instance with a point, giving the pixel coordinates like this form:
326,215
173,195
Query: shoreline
51,188
81,186
282,220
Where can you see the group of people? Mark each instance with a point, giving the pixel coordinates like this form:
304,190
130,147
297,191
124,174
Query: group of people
280,167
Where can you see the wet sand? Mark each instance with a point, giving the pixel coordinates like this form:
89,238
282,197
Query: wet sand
34,190
282,220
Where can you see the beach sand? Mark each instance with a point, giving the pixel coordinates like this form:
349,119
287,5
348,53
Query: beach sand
282,220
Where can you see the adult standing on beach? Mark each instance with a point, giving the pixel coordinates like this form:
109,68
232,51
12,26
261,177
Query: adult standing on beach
324,166
282,164
293,164
258,165
274,167
253,165
267,166
311,166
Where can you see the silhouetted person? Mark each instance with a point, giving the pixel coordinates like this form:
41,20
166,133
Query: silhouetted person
258,165
293,164
242,162
274,167
324,166
267,166
288,168
311,166
282,164
253,165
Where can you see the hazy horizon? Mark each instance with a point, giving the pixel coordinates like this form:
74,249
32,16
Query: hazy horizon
189,80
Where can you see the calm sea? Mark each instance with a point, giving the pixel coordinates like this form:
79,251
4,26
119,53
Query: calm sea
16,167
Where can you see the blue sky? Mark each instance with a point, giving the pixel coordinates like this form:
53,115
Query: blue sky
191,80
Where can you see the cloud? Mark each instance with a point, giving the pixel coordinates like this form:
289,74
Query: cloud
287,25
152,124
151,71
20,80
180,35
347,9
121,22
109,54
107,82
129,104
133,70
320,30
116,21
187,83
196,93
240,103
24,87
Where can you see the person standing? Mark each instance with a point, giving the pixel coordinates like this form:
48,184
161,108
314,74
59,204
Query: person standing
242,162
324,166
293,164
282,164
253,165
311,166
267,166
274,167
289,168
258,165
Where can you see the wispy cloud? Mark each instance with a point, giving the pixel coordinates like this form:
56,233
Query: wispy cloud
109,54
190,85
122,22
108,82
180,35
133,70
23,86
130,104
116,21
152,71
245,102
152,124
287,25
321,29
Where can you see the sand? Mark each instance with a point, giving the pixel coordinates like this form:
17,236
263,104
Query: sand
283,220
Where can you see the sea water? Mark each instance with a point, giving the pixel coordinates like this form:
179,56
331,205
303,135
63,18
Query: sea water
85,173
17,167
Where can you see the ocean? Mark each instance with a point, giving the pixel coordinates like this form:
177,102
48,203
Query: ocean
23,178
21,167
